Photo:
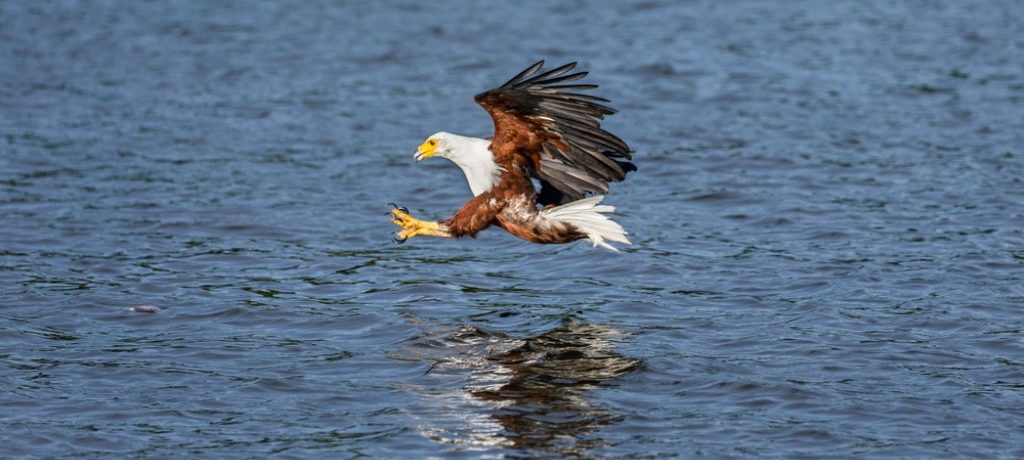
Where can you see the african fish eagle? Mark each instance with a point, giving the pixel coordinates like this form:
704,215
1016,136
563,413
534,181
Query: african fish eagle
544,130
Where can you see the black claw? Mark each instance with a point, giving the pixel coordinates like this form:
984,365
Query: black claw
396,239
403,209
393,206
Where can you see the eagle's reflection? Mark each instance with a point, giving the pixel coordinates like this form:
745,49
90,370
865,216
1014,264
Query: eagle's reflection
520,393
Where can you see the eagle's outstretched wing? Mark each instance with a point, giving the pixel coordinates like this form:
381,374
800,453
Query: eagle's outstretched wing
543,125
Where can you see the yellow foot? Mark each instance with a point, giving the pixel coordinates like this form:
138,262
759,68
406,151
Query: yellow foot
412,226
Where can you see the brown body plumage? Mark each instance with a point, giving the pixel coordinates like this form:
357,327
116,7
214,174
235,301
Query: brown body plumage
511,204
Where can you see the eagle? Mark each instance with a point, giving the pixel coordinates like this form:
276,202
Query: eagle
545,130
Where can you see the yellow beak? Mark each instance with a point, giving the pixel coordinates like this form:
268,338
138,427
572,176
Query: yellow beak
426,150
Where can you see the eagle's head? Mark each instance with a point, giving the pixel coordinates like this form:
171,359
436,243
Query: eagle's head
438,144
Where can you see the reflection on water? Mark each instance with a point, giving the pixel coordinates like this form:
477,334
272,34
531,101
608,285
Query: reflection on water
488,389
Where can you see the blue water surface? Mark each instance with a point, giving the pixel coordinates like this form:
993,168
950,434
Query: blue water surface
827,227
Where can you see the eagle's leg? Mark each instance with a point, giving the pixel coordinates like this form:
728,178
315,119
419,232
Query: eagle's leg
412,226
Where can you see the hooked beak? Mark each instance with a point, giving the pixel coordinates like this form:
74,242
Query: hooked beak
422,154
426,150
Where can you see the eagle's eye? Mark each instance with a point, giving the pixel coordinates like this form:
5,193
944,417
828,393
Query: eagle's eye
432,142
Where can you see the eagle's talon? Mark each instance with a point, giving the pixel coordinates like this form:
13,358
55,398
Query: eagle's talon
399,208
401,215
397,240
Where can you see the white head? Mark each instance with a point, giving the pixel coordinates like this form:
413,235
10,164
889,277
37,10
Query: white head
471,154
440,144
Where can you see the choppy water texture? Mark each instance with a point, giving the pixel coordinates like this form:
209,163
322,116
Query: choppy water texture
827,222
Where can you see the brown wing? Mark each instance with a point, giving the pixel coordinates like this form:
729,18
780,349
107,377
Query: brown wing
556,133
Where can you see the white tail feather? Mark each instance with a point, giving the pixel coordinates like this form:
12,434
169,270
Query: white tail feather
585,215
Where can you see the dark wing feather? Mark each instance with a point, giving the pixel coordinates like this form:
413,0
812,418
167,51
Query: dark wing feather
525,73
555,132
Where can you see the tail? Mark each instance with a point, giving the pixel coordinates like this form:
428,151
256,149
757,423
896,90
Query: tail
585,215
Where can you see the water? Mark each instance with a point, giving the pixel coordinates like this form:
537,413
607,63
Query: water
828,232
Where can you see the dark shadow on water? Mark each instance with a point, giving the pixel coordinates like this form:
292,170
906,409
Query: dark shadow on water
489,390
544,402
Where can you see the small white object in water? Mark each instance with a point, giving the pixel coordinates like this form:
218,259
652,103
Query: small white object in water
144,309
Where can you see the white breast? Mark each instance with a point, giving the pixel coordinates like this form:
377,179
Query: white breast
473,156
